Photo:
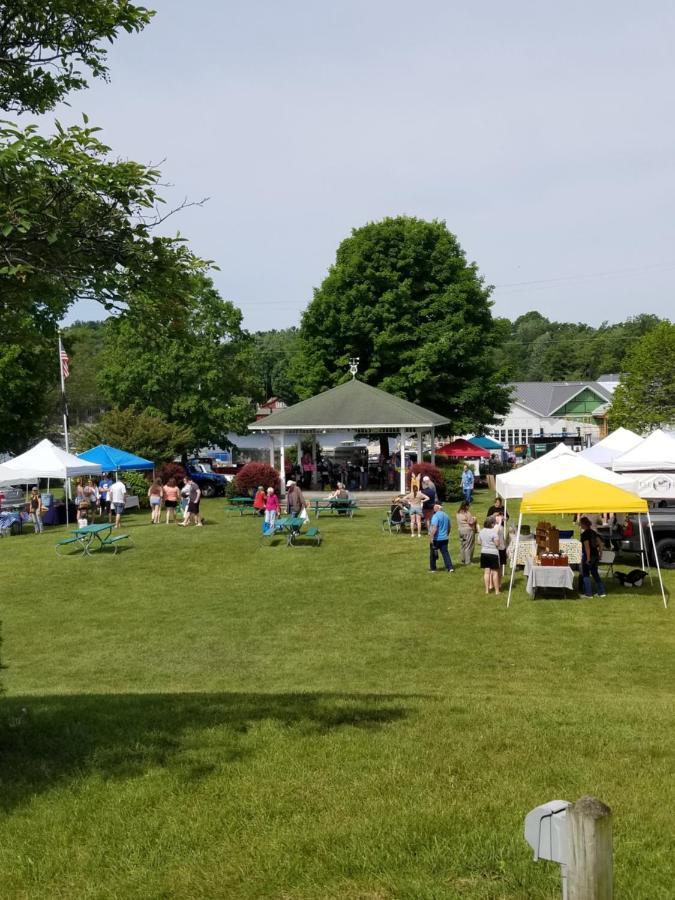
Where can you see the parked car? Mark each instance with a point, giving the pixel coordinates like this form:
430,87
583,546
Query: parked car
663,523
11,495
210,483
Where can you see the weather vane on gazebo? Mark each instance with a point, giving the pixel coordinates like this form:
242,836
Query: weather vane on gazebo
354,365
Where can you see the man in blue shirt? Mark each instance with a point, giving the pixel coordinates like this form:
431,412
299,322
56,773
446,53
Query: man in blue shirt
439,534
467,483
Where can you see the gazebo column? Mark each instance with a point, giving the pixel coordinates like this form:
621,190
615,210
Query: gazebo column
313,480
299,452
271,451
419,446
282,464
433,447
402,467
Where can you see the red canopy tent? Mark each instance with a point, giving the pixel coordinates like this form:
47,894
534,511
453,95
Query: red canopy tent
461,449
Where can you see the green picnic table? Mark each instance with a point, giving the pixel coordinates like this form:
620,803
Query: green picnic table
292,527
335,505
90,538
240,504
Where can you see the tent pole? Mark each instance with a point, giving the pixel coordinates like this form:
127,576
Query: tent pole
644,558
514,559
656,560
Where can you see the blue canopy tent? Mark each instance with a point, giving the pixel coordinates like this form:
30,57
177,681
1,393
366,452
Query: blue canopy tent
487,443
113,460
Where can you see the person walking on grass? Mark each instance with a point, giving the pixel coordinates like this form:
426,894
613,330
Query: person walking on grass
467,483
118,496
439,535
415,500
467,526
155,498
171,494
296,504
194,496
36,510
429,490
490,563
590,557
271,511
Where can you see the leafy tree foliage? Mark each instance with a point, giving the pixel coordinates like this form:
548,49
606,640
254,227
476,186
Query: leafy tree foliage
271,364
143,433
402,297
186,368
83,342
645,398
536,349
42,43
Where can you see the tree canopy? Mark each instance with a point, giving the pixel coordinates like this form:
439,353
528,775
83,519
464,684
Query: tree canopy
145,434
44,42
403,299
187,368
645,398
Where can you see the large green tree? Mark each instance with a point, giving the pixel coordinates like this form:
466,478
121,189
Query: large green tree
187,368
143,433
270,363
402,297
44,44
645,398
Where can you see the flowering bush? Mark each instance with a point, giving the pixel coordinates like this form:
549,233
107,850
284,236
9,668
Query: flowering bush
171,470
433,472
254,474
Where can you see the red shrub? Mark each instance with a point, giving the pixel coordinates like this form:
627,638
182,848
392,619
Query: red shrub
171,470
433,472
254,474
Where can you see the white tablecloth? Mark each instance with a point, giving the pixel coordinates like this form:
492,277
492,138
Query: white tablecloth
548,577
527,549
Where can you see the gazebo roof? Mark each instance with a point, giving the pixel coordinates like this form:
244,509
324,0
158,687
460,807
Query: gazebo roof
352,406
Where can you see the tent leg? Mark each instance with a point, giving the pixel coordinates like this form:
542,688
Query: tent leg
656,560
513,560
644,556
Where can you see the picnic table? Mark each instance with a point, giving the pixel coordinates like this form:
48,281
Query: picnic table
240,504
343,507
92,537
292,527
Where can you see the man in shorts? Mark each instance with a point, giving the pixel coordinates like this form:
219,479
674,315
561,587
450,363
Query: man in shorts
194,496
118,495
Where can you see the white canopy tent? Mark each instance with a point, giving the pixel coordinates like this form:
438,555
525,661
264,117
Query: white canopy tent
652,464
609,448
559,464
45,460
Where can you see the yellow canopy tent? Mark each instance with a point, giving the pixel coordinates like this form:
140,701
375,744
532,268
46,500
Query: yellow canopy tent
583,494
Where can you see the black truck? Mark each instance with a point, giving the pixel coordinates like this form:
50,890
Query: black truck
626,539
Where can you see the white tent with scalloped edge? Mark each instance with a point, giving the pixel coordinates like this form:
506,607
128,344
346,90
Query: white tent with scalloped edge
609,448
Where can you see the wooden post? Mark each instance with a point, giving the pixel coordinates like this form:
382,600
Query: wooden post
589,873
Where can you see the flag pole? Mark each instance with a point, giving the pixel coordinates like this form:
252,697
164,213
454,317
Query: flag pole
63,362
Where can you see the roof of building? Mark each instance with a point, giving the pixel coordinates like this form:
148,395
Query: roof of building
355,406
545,397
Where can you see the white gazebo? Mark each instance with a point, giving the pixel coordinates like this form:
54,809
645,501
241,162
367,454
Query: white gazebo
356,408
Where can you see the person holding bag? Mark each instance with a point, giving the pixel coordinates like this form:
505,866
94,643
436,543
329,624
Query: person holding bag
467,525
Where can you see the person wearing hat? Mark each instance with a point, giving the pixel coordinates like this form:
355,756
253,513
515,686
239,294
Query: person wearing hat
295,501
439,535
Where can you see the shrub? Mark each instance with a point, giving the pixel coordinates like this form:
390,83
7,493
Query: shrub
453,483
137,483
433,472
254,474
230,489
171,470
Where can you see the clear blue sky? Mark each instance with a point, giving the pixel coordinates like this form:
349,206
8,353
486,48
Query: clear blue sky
542,135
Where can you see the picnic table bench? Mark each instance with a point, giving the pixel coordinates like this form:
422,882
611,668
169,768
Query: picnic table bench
335,505
240,505
90,538
291,527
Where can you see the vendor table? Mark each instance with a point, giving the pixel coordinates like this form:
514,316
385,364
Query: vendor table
548,577
527,549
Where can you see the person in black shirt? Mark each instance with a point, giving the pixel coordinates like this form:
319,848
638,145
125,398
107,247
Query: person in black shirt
590,557
497,508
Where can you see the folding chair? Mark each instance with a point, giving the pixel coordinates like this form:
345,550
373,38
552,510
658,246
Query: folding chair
607,558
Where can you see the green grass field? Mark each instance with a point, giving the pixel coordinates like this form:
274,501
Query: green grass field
203,717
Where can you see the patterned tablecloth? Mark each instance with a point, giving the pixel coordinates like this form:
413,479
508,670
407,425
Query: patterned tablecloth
527,550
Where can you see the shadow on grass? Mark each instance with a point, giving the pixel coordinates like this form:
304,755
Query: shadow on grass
45,741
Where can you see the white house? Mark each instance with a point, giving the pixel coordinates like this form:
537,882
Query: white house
556,409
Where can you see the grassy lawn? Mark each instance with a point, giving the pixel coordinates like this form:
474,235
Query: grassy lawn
205,717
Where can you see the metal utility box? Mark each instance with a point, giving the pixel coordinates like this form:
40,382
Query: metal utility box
546,831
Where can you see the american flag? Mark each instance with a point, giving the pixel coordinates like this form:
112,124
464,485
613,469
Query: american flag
64,363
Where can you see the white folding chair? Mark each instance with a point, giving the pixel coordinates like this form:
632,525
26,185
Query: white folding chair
607,558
